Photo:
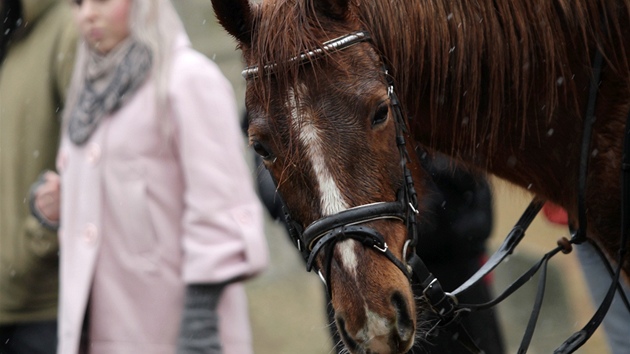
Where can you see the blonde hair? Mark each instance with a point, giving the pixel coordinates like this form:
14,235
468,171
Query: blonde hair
156,24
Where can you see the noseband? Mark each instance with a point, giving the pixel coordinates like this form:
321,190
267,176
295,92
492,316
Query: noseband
350,224
323,234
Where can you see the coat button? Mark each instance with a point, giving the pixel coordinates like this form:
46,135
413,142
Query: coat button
244,217
90,234
93,154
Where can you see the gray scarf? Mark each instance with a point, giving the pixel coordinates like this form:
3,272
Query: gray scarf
110,81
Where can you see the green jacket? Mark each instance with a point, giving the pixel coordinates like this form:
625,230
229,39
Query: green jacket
34,78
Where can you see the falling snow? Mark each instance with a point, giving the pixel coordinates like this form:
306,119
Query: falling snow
560,81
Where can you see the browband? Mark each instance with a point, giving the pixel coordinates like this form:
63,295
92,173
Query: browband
330,46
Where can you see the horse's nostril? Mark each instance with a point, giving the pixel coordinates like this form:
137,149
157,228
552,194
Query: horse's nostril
350,343
404,322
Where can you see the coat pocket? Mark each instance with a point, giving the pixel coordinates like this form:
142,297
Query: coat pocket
129,204
139,229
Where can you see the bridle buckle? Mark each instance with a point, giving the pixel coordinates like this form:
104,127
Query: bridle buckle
382,249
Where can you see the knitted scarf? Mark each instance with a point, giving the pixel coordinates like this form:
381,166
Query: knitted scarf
110,81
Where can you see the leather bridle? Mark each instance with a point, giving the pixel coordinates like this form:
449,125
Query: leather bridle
323,234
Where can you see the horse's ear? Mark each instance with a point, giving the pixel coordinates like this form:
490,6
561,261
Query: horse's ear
236,17
336,9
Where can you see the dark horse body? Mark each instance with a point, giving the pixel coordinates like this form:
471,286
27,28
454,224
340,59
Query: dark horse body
501,85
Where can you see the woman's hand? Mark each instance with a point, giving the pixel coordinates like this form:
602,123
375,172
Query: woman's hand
45,199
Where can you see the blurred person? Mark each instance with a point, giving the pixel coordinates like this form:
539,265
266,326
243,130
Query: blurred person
37,47
159,220
452,243
598,282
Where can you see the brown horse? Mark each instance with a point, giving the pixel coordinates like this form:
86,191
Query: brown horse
502,85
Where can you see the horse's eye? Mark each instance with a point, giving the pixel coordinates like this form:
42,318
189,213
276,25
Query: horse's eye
381,115
261,150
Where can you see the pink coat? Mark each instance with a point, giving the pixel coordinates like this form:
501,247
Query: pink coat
143,215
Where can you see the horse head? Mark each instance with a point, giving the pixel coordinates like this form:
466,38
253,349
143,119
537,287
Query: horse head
325,119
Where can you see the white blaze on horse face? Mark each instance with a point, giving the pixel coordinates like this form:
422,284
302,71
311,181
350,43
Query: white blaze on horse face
331,199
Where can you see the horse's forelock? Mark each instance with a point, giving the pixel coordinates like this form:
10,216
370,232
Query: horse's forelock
283,30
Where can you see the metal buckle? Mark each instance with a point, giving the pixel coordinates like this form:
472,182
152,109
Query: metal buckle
384,249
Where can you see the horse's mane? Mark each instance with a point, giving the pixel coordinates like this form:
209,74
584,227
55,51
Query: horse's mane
487,58
466,52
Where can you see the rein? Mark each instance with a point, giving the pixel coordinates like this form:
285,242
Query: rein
579,235
576,340
325,233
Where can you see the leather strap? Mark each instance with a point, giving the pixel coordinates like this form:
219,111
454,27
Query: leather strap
507,247
589,119
353,216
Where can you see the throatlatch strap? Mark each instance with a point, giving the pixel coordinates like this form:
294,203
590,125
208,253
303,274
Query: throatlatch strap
589,119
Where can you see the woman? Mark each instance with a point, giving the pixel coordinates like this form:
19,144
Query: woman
159,219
